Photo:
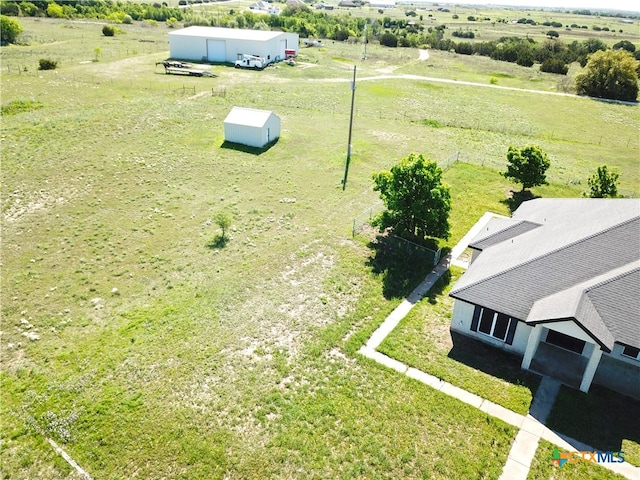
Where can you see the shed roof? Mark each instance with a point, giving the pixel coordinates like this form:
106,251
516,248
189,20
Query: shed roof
250,117
226,33
561,259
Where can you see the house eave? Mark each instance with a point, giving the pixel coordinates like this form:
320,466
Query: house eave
604,347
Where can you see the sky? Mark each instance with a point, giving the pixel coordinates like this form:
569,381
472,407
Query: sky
629,5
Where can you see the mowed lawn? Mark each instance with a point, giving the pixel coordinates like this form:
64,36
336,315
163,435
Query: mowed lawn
147,353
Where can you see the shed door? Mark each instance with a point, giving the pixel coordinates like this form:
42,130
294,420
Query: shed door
216,51
283,47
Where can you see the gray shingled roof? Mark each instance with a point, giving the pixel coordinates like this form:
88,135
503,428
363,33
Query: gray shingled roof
510,228
569,267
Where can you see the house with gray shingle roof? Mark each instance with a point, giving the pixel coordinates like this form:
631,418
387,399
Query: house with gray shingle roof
558,283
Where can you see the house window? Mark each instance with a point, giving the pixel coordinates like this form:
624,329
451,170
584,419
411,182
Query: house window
494,324
632,352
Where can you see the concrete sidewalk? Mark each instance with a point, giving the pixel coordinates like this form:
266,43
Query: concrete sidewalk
526,443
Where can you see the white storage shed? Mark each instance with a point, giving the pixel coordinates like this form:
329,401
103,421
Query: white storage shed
251,127
226,45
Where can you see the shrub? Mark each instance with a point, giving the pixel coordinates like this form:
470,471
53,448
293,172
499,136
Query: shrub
9,30
108,31
55,11
471,18
19,106
554,65
389,40
463,34
625,45
455,17
341,35
552,34
127,19
464,48
47,64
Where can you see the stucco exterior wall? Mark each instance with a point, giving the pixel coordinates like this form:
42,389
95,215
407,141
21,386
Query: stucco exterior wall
461,323
618,375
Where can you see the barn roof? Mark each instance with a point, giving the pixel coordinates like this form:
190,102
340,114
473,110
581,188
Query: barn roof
226,33
250,117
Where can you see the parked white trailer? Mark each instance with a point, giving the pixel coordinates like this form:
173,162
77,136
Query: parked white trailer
226,45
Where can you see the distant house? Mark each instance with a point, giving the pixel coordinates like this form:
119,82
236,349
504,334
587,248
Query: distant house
264,7
251,127
558,283
347,3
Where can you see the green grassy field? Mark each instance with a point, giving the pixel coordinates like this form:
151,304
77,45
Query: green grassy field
542,468
158,356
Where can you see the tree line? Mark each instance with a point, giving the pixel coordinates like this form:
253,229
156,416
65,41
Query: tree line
96,9
553,55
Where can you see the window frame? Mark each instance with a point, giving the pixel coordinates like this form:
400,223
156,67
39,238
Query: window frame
494,322
637,357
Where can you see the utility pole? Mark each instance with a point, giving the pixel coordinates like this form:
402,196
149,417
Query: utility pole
353,98
364,55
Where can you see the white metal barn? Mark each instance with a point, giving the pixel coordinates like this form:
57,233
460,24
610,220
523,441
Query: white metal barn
251,127
213,44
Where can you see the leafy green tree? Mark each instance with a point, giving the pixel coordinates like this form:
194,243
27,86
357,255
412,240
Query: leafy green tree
417,201
9,30
609,74
527,166
603,183
223,220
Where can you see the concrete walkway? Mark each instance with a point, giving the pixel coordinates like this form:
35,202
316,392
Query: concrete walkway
531,427
526,443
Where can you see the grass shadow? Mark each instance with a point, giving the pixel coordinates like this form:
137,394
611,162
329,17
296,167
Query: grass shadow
218,242
247,149
516,198
606,419
492,361
402,265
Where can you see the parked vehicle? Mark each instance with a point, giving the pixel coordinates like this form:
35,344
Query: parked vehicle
250,61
